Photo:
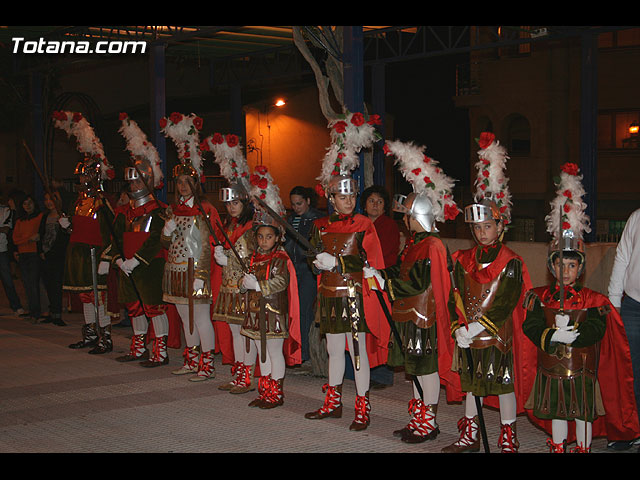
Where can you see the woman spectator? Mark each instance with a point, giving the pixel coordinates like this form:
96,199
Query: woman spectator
377,206
304,213
26,237
7,214
54,240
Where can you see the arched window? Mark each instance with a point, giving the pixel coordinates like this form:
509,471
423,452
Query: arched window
518,135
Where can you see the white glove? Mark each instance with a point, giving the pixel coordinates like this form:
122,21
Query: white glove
462,337
103,268
562,320
219,255
474,329
128,265
198,284
169,227
565,335
325,261
250,282
64,222
370,272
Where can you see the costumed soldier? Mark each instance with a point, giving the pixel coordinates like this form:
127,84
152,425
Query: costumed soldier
233,255
137,227
487,323
272,321
347,242
90,234
187,280
419,287
583,387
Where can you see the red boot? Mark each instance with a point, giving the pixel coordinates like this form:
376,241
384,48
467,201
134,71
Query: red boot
137,349
332,406
159,354
363,408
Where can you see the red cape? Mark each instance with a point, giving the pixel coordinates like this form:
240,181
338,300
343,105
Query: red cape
524,352
378,341
615,373
431,247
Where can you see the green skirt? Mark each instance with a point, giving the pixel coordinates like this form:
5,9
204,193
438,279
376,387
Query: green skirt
418,353
335,314
492,371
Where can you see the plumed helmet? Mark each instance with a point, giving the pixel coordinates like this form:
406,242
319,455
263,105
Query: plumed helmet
419,207
342,185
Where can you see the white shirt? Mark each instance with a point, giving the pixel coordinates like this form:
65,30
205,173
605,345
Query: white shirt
625,275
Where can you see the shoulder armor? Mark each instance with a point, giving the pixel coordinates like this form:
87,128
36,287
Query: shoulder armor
530,300
513,270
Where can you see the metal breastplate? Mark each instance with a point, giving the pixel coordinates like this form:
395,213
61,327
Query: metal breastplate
232,273
419,309
275,305
141,224
568,361
86,207
333,284
186,244
478,299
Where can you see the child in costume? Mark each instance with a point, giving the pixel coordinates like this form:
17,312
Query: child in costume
138,227
272,316
419,286
580,339
90,234
347,242
491,280
233,256
187,280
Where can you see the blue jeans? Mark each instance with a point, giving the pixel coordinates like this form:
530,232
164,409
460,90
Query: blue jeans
7,281
29,264
307,292
630,313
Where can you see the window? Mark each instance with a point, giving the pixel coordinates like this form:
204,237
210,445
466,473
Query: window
616,129
518,138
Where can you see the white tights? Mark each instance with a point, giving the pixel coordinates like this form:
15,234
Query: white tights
274,363
240,352
203,333
560,428
160,325
89,312
508,407
335,349
430,388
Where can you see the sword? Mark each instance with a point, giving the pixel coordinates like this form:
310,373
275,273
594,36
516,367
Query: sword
245,269
561,261
190,278
355,318
456,293
262,319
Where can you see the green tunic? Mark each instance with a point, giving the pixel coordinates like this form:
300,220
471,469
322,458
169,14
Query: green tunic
492,368
560,397
424,361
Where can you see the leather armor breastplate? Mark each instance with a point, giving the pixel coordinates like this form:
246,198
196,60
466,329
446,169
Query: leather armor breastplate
333,284
419,309
478,299
275,305
567,361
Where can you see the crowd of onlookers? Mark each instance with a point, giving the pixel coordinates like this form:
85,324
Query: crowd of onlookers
33,244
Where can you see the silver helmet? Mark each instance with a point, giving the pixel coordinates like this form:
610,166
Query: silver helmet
485,209
89,174
417,206
570,243
141,169
235,191
342,185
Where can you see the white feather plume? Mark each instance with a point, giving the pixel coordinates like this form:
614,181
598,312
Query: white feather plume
87,142
567,207
349,135
491,180
186,137
425,176
264,188
139,145
228,154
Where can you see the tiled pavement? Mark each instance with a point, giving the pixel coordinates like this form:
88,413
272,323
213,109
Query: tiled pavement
57,400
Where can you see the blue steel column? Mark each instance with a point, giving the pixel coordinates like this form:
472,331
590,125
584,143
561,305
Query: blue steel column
379,107
157,104
37,134
588,127
353,74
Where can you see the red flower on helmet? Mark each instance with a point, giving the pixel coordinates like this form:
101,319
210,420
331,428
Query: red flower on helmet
570,168
386,150
340,126
122,116
163,122
77,117
567,193
261,169
197,122
566,225
486,139
319,190
232,140
217,138
374,120
357,119
416,171
204,146
175,117
450,212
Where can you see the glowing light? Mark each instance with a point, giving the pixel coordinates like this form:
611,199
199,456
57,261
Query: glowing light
633,128
280,102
